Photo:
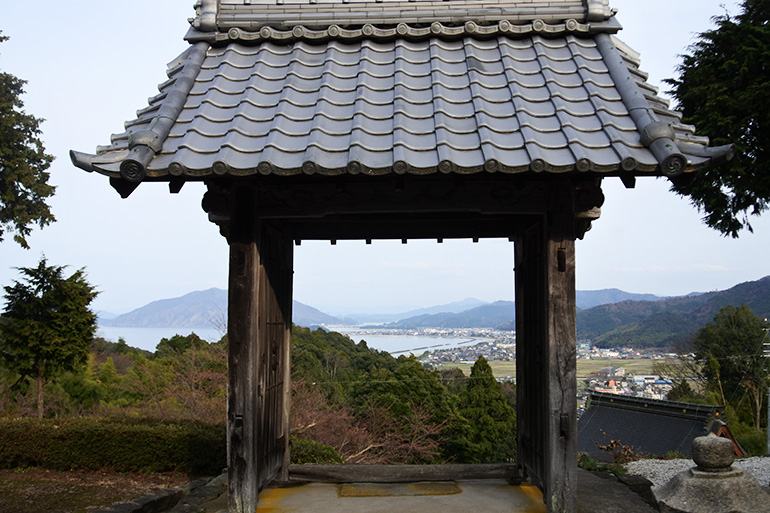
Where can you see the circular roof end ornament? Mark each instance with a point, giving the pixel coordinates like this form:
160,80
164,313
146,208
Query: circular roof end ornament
673,165
265,168
132,171
628,164
234,34
400,167
309,168
134,167
446,166
175,169
354,167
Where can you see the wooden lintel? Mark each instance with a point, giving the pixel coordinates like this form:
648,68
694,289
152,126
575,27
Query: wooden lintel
397,227
323,197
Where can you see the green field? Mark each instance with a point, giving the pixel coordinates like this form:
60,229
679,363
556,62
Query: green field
584,367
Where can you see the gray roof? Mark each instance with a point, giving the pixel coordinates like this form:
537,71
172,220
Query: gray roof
648,426
527,86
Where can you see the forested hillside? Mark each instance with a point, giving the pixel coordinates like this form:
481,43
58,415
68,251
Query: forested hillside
485,316
667,322
350,403
373,408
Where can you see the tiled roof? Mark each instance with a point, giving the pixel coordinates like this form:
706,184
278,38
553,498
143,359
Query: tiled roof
648,426
528,98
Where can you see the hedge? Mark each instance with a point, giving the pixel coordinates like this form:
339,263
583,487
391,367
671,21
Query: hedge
121,445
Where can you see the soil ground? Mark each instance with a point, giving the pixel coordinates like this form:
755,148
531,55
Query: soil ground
25,490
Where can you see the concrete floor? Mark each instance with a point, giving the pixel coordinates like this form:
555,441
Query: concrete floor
596,494
487,496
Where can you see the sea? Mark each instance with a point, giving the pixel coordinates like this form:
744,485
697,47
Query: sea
148,338
417,345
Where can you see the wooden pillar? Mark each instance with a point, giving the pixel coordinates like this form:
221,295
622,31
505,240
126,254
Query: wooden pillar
546,352
259,327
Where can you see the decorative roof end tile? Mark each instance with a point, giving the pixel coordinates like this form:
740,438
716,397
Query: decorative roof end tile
206,20
599,10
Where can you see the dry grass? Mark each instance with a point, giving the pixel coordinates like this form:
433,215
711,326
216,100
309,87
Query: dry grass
584,367
25,490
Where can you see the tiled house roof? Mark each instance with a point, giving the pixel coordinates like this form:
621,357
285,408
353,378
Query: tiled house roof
377,87
648,426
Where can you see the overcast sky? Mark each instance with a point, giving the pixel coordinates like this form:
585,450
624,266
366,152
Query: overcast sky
90,64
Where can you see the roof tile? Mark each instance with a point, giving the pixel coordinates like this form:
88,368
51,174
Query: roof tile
466,105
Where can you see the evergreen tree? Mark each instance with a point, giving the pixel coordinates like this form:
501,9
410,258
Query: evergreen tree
24,186
47,327
722,90
178,344
492,422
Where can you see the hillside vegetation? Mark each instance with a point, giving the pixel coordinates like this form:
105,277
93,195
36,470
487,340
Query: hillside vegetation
666,322
350,404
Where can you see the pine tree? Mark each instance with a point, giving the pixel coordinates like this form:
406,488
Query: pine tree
722,89
24,186
47,327
492,422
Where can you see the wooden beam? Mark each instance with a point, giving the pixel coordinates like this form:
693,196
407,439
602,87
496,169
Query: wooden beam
330,473
407,226
546,352
242,329
259,341
318,196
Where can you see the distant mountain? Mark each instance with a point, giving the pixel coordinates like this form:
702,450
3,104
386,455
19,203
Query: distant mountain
455,307
304,315
501,314
590,298
104,315
669,321
487,315
202,309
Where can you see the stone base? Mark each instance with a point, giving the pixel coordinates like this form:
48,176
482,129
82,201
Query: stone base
695,491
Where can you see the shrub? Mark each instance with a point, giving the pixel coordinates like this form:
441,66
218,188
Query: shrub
753,441
308,451
118,444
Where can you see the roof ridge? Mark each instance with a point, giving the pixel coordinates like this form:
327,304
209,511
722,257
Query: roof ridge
255,20
411,31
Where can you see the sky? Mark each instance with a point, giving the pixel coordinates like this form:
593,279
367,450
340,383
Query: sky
91,64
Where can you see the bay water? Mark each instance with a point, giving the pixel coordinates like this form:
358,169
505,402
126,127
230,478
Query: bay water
148,339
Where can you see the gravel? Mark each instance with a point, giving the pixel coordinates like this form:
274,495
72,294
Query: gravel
660,471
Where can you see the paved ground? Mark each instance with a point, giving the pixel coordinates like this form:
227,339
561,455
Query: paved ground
595,495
